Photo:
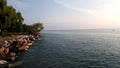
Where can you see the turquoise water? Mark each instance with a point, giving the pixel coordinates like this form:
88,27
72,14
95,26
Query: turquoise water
74,49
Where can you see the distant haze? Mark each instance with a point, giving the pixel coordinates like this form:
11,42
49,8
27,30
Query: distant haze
70,14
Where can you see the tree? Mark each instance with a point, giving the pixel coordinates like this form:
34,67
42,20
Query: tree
19,23
37,27
27,29
12,21
3,8
33,29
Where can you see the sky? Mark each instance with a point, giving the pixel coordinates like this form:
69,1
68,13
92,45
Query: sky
70,14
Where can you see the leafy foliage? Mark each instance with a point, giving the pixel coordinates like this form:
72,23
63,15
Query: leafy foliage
37,27
33,29
11,21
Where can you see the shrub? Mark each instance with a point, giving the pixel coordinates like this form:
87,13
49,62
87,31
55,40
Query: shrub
6,34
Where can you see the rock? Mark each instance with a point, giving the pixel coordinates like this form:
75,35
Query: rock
6,51
3,61
10,65
5,64
30,44
12,54
12,58
10,49
22,48
1,50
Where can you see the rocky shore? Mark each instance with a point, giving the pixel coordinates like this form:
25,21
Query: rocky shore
11,47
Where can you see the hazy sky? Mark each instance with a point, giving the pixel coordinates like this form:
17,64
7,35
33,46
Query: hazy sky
70,14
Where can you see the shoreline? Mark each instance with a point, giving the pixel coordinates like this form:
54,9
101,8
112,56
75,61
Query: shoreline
11,46
2,39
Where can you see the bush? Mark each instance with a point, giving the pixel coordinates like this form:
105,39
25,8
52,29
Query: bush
6,34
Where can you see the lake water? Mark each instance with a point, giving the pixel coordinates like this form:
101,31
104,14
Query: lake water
74,49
